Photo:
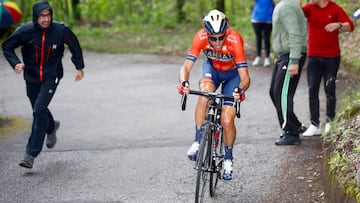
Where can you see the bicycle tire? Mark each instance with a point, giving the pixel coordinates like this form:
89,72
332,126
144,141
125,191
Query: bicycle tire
215,174
202,164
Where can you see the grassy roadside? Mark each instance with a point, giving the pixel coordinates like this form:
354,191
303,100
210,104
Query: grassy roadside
145,39
342,147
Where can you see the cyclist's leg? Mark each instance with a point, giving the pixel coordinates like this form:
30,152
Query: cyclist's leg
228,123
232,80
227,120
207,83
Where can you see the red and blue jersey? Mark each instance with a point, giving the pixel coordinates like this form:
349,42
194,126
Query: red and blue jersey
231,56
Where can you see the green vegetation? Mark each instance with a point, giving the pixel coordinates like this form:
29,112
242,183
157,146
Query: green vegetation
146,40
158,27
343,146
140,26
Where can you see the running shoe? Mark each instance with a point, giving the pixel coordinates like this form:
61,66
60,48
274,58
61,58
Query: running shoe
193,151
228,169
27,162
51,138
312,131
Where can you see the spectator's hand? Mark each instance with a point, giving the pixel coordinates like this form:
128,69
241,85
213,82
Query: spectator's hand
19,68
184,87
293,70
239,94
331,27
79,75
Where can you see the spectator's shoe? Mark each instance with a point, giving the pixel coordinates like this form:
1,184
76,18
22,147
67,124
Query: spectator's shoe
228,169
27,162
267,62
300,130
282,135
312,131
288,139
256,62
51,138
327,128
193,151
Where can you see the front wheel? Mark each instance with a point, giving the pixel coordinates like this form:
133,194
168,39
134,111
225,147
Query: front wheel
203,163
216,160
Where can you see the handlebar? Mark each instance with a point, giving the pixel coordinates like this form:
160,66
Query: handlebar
210,95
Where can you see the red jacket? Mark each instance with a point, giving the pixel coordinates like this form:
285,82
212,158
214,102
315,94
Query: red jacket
320,42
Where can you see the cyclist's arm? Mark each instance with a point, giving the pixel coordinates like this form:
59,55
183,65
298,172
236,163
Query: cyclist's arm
184,74
240,60
244,77
198,43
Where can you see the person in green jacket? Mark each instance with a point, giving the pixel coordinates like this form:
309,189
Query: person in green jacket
289,39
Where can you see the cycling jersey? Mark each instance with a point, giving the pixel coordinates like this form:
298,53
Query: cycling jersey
231,55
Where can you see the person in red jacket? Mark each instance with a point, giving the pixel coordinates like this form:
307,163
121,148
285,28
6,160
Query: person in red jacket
325,20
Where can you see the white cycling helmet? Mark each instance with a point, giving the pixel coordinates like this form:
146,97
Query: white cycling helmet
215,22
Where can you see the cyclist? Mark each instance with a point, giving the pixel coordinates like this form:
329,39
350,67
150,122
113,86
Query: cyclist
225,61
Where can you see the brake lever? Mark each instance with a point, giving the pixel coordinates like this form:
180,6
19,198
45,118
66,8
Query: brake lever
237,103
238,109
184,96
183,102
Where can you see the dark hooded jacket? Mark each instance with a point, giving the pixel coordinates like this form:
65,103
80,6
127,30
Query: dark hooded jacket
42,49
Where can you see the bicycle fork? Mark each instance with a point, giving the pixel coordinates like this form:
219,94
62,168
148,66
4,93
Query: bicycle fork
217,156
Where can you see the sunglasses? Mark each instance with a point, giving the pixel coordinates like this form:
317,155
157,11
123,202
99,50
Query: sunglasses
214,39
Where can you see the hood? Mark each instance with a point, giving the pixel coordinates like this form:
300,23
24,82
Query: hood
38,7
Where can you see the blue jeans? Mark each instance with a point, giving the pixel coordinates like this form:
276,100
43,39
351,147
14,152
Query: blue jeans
318,68
40,96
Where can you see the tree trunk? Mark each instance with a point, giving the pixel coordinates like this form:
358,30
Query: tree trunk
181,15
75,8
220,5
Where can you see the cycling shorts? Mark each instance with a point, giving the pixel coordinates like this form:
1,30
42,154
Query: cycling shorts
231,79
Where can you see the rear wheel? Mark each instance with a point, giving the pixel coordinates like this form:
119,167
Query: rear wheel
203,163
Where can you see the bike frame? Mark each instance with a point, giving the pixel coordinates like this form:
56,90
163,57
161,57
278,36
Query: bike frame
211,151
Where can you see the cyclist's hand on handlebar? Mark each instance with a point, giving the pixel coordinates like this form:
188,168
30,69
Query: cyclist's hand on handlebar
184,87
239,94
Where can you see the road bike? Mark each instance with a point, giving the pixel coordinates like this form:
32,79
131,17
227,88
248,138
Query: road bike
210,156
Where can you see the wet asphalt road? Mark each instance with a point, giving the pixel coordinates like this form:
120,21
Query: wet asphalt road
123,136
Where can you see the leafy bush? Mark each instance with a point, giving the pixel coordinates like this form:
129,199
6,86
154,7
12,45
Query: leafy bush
342,145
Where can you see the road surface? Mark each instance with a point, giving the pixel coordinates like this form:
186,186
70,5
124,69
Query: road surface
123,138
